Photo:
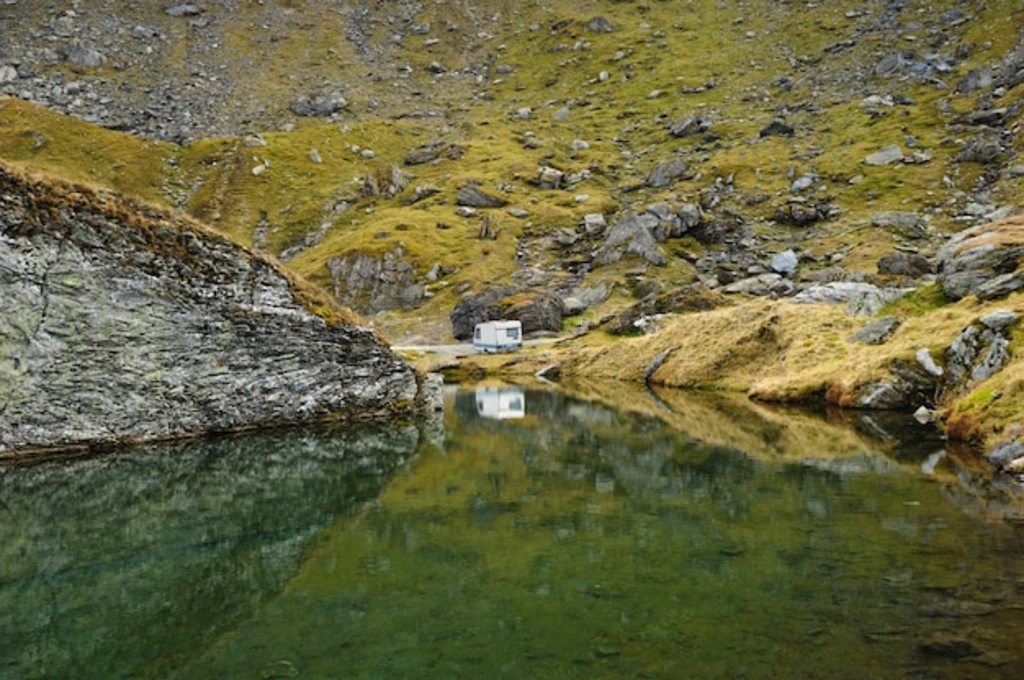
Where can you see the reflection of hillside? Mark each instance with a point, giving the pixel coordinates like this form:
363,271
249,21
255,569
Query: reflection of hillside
122,566
642,439
589,541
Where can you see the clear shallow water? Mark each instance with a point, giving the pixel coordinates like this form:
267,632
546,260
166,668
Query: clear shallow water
538,535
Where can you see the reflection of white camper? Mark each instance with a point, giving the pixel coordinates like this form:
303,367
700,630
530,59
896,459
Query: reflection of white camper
498,336
501,403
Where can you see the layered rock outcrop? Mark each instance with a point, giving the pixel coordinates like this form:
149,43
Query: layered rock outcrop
119,322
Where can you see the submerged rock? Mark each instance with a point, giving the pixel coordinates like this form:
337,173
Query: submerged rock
119,322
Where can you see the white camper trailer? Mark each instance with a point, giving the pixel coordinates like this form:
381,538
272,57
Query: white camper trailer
501,403
498,336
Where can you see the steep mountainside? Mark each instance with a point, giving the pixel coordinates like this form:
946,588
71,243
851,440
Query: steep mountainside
734,132
118,323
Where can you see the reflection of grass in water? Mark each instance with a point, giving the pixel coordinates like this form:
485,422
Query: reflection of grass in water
507,560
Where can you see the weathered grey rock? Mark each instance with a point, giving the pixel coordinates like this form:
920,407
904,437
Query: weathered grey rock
118,324
785,263
877,332
800,213
185,9
980,351
666,173
566,237
984,260
862,299
691,125
1008,450
885,156
537,310
385,180
690,216
1000,286
371,284
976,79
762,285
432,152
594,224
984,150
881,395
778,128
86,57
1000,320
899,220
320,105
583,299
925,360
550,178
473,197
8,74
657,362
600,24
633,234
904,264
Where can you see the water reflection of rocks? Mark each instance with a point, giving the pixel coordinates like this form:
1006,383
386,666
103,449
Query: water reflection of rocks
120,565
584,423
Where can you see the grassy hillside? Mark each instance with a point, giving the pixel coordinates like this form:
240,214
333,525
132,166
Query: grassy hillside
738,65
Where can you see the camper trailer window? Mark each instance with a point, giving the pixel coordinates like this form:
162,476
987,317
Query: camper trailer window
512,332
476,334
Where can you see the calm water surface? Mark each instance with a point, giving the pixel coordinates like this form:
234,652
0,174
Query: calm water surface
537,534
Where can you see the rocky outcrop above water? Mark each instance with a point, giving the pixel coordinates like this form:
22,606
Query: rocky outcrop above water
121,323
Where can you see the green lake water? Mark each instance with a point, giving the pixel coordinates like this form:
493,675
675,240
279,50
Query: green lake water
592,532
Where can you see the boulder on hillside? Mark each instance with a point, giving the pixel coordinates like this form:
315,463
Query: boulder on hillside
319,105
429,153
904,264
984,260
471,196
691,125
633,234
666,173
537,310
862,299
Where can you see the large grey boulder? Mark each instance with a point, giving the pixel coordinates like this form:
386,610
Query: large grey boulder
980,351
633,234
861,299
321,105
877,332
666,173
121,323
537,310
984,261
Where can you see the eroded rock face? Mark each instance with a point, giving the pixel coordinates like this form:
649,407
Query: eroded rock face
373,284
120,323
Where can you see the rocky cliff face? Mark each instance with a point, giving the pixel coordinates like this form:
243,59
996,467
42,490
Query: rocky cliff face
119,322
